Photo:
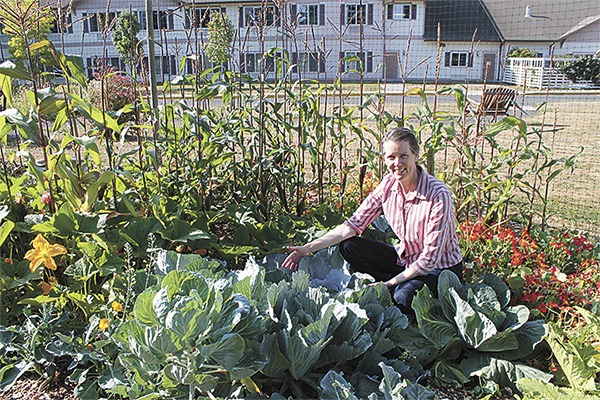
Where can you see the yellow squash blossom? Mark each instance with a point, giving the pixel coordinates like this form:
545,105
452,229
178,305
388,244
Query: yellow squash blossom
103,324
118,307
43,252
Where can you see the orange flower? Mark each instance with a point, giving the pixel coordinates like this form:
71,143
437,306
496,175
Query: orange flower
43,252
118,307
103,324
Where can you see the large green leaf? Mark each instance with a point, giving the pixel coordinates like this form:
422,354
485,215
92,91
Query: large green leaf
528,336
300,354
392,383
5,230
183,283
448,373
227,352
335,387
159,340
161,304
500,342
504,373
473,327
10,374
447,280
143,310
575,360
278,363
516,317
431,320
536,389
189,323
496,283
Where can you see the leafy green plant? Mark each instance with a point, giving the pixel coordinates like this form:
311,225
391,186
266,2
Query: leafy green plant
125,38
471,330
586,68
220,38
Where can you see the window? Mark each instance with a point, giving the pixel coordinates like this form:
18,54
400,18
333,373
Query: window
308,14
193,63
458,59
98,22
141,15
309,62
400,12
356,14
95,65
63,22
166,64
360,58
251,62
163,19
200,17
253,16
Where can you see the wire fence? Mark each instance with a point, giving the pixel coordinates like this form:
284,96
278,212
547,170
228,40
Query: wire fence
373,55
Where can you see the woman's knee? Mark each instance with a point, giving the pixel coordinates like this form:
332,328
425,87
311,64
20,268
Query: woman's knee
348,248
405,292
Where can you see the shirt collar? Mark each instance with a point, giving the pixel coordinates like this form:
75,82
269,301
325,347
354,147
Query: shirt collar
421,191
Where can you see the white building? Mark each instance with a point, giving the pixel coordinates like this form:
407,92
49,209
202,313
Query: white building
395,40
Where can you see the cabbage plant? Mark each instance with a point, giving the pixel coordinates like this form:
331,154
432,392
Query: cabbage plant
264,331
471,330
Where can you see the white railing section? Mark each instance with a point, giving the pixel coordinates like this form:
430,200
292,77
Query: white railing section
540,73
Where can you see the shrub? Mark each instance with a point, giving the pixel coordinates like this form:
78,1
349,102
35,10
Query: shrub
119,90
586,68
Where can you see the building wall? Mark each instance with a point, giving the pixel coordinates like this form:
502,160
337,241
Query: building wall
581,42
389,32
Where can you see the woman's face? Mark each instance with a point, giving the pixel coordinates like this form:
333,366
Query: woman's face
401,162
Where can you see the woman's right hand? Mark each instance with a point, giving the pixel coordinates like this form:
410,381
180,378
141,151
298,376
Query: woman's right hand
293,259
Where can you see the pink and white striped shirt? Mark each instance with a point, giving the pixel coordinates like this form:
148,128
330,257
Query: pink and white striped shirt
423,220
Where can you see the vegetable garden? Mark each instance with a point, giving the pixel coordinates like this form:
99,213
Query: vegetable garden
141,247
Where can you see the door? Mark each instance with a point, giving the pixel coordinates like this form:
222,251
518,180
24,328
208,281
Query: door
489,64
391,66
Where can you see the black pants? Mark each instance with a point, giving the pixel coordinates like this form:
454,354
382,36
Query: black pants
379,260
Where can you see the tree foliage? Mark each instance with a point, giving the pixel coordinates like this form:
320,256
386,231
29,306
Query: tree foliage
586,68
27,23
220,37
522,52
125,37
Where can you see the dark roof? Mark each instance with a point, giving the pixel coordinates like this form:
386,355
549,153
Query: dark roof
459,20
550,19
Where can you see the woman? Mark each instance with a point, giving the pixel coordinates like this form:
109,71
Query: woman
420,211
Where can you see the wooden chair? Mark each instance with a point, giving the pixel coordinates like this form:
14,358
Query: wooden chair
496,101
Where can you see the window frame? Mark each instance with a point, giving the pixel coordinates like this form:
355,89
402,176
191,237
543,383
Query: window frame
403,15
365,57
458,59
98,20
307,14
68,21
307,60
355,17
270,15
163,17
201,16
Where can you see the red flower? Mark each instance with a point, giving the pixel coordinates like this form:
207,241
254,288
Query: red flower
542,308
